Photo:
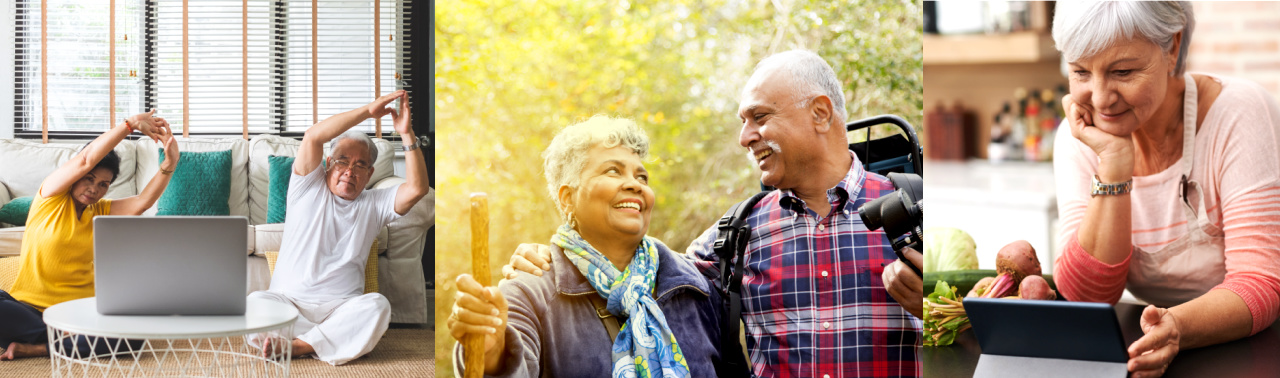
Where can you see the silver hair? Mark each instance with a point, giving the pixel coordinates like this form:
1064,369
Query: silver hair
1082,29
810,76
361,137
566,157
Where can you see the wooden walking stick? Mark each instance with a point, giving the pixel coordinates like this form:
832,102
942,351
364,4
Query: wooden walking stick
473,345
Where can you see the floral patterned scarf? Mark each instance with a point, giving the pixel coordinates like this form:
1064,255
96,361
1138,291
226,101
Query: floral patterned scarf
645,346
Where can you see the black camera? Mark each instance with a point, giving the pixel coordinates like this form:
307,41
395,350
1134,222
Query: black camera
901,213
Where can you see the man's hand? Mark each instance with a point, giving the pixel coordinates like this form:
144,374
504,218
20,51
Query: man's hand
403,124
904,285
528,258
378,108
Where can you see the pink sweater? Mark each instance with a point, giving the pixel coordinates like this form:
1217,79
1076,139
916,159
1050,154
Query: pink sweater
1237,166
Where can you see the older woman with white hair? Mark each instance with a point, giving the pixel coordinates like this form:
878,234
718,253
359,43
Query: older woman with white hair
618,302
1167,182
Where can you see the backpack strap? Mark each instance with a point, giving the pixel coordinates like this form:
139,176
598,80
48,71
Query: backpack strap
602,310
730,247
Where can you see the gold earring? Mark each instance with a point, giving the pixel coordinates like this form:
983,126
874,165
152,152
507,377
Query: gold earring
573,221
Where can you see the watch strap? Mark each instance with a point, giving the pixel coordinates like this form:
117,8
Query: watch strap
1110,189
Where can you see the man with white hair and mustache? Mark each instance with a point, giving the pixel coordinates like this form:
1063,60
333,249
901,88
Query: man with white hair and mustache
329,227
822,296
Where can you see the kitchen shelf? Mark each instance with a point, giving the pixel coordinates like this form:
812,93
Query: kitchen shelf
1018,47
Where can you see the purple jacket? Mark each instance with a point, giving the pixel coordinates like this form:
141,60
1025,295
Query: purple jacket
554,331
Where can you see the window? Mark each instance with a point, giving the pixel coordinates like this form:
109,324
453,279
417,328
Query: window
275,97
78,70
344,59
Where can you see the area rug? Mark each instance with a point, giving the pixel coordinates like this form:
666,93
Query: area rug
403,352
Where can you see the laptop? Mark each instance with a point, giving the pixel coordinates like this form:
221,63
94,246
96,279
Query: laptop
1033,338
189,265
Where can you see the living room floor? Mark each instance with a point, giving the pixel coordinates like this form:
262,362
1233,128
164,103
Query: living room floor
401,353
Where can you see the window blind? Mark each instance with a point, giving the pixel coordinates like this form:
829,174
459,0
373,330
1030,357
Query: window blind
343,58
215,67
77,65
276,55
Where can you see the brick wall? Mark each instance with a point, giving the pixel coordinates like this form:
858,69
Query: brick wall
1240,39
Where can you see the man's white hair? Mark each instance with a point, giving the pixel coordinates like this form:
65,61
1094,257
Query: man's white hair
361,137
810,76
566,157
1082,29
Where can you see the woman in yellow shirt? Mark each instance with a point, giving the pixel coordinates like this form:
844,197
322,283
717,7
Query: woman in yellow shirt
57,245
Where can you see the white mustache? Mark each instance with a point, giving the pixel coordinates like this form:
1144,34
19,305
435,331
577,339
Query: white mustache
760,146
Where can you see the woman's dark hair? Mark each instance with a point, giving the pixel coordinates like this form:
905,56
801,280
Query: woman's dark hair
111,162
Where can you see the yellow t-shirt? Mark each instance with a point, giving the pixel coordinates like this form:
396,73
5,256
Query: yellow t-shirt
57,252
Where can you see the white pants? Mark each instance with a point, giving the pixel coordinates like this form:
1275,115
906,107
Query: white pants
340,330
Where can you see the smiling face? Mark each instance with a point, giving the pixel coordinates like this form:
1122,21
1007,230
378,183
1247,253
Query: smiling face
613,200
349,169
1123,86
92,187
773,128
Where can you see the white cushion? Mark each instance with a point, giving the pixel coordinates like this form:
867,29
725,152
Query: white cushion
269,236
38,160
263,146
11,241
238,202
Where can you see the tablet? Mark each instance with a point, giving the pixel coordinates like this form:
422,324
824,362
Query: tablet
1047,329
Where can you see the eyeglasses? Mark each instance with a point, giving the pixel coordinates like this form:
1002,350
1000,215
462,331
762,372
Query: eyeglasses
344,164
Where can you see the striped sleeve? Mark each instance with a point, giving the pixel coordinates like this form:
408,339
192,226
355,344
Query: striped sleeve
1082,278
1252,227
1248,167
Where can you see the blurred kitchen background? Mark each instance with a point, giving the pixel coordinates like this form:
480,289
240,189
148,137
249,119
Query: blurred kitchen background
992,93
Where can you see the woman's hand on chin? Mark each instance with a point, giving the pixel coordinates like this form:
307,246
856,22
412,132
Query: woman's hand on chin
479,310
1114,151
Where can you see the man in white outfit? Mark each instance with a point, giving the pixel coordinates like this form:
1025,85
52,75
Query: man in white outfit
330,226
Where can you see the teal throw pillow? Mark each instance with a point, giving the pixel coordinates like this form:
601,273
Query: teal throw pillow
200,185
15,212
278,187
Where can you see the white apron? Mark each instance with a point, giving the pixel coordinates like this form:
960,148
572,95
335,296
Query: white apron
1194,263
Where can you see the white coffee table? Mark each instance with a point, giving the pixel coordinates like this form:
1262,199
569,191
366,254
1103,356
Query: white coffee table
187,346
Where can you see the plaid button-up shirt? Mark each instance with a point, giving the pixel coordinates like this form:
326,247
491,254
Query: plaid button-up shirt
813,301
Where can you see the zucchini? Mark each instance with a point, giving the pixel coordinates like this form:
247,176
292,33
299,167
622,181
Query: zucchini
964,280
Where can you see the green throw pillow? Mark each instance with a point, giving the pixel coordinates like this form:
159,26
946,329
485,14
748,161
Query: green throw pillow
278,187
15,212
200,185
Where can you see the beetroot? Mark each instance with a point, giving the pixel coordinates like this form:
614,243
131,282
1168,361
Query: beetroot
1035,287
979,287
1014,262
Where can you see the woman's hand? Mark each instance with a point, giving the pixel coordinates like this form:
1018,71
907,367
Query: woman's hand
1151,354
170,154
154,127
479,310
1114,151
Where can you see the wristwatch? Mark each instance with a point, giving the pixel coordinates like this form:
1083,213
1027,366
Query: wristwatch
1101,189
419,142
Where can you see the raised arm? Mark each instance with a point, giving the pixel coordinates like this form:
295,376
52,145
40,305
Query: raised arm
62,178
417,183
1096,239
312,149
135,205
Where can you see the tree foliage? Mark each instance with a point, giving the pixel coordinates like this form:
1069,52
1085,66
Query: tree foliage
510,74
